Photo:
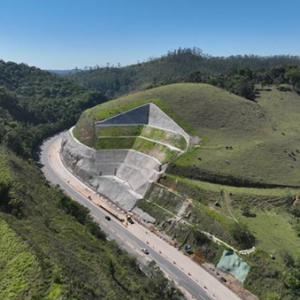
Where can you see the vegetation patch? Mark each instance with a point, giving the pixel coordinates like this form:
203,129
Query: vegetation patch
115,143
21,275
274,231
118,131
162,197
159,151
155,211
218,188
167,137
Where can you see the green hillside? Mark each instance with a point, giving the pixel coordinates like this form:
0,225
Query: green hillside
50,248
21,275
243,142
174,67
234,177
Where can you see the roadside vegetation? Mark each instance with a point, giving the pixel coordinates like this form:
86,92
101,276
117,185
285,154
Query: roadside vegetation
269,217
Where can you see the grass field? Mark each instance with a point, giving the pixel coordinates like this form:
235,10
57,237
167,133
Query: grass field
266,151
274,231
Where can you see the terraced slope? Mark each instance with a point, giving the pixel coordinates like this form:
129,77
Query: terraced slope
124,154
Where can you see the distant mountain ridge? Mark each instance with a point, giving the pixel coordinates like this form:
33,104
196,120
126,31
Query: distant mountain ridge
171,68
64,72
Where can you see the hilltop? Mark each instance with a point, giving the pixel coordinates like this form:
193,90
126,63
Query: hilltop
252,143
174,67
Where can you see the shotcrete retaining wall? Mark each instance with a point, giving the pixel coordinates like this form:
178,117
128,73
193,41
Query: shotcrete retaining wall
147,114
123,176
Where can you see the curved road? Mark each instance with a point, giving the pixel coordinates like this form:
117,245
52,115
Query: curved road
124,237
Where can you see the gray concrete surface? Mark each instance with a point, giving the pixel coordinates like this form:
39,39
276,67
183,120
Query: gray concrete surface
122,176
147,114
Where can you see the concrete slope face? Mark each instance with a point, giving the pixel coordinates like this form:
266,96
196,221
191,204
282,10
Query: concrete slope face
148,114
123,176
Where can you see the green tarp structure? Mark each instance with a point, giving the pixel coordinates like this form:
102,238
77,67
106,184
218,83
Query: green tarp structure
230,262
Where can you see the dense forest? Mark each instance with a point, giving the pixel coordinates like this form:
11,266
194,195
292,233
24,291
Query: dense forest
34,104
174,67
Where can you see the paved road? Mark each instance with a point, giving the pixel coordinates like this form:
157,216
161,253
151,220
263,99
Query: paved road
118,232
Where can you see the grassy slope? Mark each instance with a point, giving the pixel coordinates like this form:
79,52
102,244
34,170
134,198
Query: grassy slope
159,151
261,134
275,229
261,149
20,275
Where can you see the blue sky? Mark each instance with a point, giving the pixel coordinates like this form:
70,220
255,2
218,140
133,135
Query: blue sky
63,34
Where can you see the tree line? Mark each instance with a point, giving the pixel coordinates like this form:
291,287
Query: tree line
243,82
173,67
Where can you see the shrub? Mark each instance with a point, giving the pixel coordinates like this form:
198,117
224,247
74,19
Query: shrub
242,236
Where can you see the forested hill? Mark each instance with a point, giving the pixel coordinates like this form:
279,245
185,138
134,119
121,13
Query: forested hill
173,67
34,104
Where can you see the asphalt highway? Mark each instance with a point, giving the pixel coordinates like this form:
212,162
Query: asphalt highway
115,230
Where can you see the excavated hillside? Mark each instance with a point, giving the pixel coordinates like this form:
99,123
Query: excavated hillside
128,152
243,142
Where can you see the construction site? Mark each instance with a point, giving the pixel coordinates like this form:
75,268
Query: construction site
124,175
